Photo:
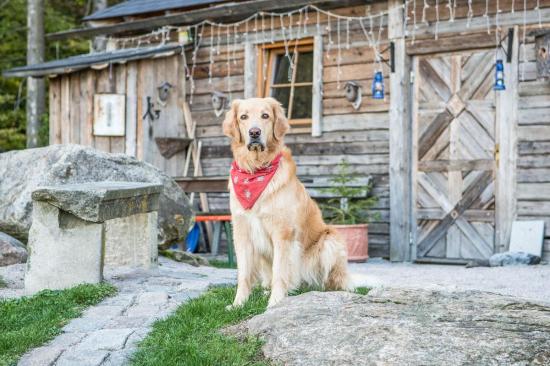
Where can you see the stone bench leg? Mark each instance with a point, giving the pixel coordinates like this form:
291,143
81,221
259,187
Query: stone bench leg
132,241
64,250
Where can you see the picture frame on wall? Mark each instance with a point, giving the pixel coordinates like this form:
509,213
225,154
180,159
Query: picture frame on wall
109,115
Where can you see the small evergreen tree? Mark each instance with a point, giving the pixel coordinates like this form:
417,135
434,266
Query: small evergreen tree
351,204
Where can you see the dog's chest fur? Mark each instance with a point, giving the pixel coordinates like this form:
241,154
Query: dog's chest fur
261,216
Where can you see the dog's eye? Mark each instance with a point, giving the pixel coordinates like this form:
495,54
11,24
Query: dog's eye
265,116
244,116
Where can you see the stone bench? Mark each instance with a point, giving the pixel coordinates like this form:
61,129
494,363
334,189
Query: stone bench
78,228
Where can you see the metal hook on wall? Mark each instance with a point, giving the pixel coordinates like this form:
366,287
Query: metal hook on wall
151,114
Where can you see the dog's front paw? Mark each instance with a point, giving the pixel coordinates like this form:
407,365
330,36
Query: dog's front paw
230,307
274,300
233,306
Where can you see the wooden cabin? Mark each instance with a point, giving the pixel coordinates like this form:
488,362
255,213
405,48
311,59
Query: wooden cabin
453,161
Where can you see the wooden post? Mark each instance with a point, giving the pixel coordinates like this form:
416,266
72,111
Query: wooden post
250,68
317,99
400,140
506,150
35,54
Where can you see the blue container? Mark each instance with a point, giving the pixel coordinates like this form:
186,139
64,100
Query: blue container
192,240
499,76
378,86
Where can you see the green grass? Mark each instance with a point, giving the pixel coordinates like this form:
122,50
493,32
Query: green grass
3,283
29,322
221,264
191,336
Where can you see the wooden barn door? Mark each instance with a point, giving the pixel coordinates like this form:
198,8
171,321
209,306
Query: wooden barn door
454,141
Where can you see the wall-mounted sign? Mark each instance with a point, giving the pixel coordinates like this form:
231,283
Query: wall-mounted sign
109,114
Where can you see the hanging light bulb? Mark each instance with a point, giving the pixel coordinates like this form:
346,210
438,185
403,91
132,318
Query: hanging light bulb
499,76
378,86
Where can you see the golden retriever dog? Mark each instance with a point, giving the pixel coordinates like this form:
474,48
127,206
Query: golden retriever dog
280,240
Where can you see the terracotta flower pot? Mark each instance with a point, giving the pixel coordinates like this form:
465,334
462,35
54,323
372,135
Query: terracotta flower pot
357,240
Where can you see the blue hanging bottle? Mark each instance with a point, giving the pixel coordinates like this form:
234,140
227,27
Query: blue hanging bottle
499,76
378,86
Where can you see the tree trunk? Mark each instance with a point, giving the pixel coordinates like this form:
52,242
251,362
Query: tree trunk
35,54
99,43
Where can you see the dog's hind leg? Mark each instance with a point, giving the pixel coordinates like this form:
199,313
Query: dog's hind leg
338,275
338,278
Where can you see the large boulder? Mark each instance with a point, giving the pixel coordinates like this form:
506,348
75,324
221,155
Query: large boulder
12,251
23,171
402,327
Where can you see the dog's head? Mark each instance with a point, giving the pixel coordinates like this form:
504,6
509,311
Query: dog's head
259,124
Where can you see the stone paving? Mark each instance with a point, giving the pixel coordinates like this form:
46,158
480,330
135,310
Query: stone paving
108,333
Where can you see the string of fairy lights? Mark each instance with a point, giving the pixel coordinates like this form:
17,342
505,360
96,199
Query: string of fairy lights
289,27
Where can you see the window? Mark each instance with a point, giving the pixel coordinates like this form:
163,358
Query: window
293,87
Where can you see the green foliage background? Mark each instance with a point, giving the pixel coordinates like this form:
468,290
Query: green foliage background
59,15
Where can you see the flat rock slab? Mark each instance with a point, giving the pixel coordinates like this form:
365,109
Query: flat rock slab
23,171
403,327
101,201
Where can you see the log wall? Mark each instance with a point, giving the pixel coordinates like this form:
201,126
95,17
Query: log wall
72,106
533,160
360,136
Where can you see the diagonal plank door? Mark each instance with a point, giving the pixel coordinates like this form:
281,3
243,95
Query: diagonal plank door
455,148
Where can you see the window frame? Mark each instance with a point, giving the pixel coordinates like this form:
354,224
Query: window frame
268,52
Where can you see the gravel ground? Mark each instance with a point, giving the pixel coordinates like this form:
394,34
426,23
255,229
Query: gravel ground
528,282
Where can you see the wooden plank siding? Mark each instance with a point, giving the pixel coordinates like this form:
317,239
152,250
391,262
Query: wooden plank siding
533,153
361,136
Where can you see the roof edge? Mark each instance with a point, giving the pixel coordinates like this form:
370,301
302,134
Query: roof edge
84,61
106,13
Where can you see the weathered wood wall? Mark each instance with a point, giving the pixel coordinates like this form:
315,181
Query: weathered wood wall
359,136
72,103
533,160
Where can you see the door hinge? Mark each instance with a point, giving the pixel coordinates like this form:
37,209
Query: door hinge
497,154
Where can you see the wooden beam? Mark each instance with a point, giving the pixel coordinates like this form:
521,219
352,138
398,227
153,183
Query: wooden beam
317,98
455,165
432,133
506,138
250,69
478,23
400,140
233,9
476,215
216,184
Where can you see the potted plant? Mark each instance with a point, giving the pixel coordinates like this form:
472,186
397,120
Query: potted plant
348,210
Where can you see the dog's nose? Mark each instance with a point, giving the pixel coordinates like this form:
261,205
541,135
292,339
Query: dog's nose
254,132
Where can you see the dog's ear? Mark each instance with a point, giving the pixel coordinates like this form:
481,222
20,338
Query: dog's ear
230,123
281,125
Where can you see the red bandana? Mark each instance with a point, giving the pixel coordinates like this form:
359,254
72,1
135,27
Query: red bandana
249,186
